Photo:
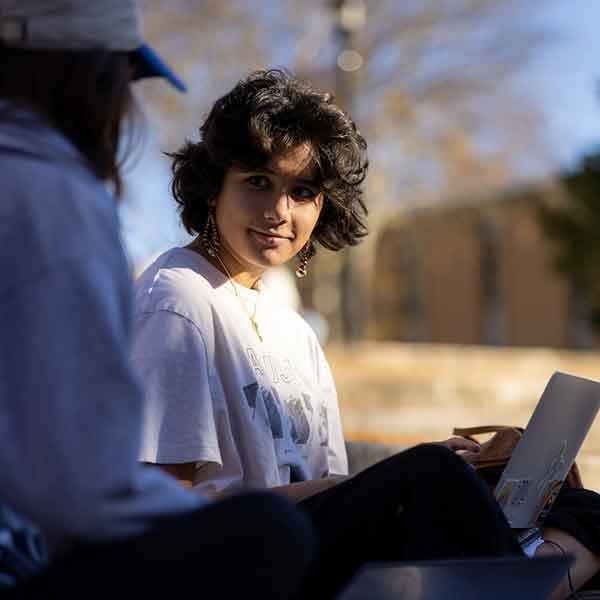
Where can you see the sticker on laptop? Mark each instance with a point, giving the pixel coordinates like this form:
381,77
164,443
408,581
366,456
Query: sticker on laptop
547,498
513,492
556,469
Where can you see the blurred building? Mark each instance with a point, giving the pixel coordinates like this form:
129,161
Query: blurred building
476,271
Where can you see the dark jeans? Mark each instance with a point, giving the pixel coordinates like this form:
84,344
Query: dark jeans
250,546
424,503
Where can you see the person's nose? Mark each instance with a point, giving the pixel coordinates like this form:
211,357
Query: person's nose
280,208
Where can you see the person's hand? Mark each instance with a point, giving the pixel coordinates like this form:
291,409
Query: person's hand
457,444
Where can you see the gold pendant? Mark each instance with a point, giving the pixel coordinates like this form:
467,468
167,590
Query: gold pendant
255,325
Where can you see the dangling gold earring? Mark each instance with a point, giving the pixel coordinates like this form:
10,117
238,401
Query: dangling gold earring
210,235
305,255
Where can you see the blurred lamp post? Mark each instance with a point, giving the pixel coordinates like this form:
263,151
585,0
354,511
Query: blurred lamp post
350,18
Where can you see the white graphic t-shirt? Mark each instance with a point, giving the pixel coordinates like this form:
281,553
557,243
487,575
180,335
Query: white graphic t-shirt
251,413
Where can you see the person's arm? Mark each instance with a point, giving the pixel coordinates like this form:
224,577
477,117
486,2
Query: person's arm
180,430
300,490
184,473
295,492
459,444
585,565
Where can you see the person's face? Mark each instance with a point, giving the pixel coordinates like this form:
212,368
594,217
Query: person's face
265,217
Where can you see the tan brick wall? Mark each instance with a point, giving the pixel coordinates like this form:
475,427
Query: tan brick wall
449,255
441,261
536,296
392,286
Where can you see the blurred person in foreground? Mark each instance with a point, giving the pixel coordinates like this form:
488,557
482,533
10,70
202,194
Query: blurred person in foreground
239,394
70,408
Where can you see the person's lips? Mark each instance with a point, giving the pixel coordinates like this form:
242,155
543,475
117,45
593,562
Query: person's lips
268,238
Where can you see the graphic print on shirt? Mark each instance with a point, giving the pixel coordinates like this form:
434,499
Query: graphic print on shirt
273,413
299,422
271,367
323,425
276,371
258,369
252,393
298,405
309,406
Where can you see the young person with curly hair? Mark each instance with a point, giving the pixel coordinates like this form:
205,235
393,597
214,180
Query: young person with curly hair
239,394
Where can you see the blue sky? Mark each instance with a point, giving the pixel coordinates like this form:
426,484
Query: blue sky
563,80
566,76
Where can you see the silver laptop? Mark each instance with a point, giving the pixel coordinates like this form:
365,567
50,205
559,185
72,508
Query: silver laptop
514,577
541,461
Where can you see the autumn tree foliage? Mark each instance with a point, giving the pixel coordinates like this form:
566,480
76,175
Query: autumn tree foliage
435,93
574,225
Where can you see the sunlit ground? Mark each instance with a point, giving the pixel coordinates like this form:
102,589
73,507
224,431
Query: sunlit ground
406,393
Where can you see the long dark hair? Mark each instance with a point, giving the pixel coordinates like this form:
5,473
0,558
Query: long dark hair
269,113
83,94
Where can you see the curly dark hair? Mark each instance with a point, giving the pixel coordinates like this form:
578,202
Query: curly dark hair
268,113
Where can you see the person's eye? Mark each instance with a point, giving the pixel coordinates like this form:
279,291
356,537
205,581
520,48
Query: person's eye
258,182
304,193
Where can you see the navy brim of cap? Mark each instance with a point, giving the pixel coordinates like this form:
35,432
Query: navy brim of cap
149,64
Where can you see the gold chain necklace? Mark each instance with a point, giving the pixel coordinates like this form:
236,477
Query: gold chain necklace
251,316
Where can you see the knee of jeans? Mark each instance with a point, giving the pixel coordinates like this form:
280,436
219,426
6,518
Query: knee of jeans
433,451
441,459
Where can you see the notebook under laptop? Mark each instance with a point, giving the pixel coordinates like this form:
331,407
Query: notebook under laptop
541,460
465,579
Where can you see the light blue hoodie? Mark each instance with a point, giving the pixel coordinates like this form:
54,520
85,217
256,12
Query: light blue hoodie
70,409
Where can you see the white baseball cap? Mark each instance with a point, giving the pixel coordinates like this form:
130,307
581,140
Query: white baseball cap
82,25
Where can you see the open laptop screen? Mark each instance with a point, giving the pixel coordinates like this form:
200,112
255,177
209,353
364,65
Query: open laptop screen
468,579
541,460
